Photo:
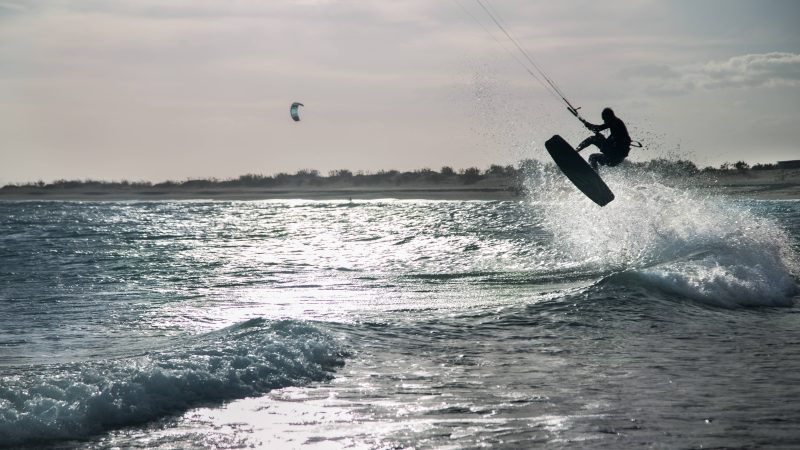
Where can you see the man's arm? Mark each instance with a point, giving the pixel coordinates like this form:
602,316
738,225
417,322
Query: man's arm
592,127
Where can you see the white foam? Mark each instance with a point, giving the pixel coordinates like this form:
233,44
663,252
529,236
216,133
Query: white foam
672,236
73,401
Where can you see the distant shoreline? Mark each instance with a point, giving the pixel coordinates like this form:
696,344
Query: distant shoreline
752,190
761,184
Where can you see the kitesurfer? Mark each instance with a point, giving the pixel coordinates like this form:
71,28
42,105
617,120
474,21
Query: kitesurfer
614,148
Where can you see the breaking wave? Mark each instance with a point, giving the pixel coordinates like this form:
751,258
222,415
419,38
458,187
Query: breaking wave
75,400
671,237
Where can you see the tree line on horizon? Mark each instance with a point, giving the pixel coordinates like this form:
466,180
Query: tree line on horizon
311,177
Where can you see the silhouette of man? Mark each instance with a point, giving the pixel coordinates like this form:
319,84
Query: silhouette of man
614,148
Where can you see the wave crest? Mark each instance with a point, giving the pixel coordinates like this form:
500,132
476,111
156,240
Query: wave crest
76,400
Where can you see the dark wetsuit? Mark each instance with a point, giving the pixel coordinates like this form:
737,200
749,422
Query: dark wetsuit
614,149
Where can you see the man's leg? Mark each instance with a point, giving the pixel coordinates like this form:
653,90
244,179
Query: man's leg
597,140
595,159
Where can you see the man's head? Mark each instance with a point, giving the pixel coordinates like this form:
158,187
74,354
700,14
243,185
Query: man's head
607,114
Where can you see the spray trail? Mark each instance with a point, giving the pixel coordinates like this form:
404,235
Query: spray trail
671,238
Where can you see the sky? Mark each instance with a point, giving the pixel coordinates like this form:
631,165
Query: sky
177,89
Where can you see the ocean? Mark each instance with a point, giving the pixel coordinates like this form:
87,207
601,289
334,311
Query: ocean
667,319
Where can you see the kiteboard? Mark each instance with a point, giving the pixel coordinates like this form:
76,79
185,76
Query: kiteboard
578,171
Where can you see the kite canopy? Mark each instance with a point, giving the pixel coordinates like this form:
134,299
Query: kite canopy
294,111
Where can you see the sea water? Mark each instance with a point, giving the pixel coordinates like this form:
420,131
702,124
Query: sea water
666,319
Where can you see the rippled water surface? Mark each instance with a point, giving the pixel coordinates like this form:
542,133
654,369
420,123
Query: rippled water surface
666,319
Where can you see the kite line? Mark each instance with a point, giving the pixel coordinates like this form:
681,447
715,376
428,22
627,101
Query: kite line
532,66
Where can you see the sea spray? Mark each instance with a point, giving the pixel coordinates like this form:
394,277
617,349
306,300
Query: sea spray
673,236
75,400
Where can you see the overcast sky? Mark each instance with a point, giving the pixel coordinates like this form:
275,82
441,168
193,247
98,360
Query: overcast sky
160,89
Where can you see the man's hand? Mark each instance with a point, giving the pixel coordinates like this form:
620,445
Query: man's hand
592,127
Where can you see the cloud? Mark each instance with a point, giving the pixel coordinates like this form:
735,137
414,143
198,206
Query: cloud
743,71
754,70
